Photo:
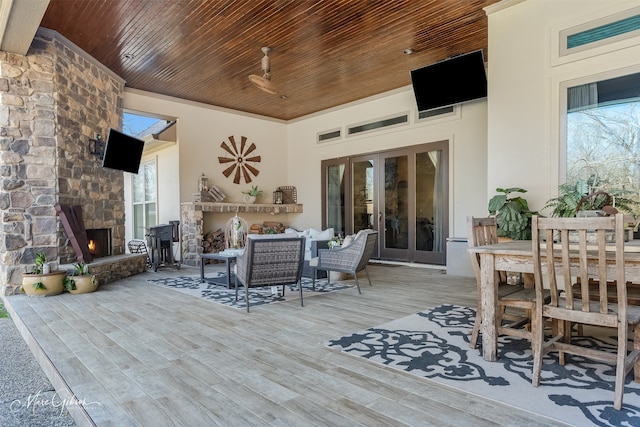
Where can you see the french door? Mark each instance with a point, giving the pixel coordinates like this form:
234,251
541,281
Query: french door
403,194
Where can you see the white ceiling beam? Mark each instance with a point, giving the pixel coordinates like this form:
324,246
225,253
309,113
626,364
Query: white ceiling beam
19,21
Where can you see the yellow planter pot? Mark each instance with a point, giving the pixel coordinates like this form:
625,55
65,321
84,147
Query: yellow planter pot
85,284
53,282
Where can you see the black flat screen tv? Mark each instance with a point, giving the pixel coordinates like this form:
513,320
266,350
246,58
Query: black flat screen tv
122,152
452,81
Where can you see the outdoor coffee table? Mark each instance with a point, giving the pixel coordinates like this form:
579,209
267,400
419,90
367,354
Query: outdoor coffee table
227,258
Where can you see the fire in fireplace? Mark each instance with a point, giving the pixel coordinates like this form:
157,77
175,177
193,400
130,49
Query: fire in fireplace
99,242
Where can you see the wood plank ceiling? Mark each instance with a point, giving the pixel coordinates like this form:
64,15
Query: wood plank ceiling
324,53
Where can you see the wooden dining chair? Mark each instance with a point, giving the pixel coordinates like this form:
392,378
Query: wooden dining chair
590,256
483,231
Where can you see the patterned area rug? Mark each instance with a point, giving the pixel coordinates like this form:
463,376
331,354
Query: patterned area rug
215,289
434,344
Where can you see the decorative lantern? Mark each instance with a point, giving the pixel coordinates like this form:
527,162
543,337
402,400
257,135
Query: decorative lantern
235,233
277,197
203,183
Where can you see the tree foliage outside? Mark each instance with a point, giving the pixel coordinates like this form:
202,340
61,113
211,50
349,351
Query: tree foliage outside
603,151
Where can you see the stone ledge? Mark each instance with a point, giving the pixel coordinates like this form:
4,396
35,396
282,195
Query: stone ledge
220,207
116,267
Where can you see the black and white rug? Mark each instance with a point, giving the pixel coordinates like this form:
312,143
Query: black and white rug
215,289
434,344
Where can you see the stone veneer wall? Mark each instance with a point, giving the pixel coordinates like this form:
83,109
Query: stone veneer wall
52,101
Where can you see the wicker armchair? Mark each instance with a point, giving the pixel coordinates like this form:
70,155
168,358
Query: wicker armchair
270,261
347,259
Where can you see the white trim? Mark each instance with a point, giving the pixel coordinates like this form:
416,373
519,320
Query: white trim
200,105
497,7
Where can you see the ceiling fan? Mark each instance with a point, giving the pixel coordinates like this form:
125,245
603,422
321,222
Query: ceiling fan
264,82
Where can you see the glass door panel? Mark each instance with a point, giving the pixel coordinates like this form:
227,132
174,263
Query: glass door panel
403,194
396,202
430,210
334,196
362,193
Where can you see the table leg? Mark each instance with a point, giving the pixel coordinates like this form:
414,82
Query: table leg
228,262
201,270
488,300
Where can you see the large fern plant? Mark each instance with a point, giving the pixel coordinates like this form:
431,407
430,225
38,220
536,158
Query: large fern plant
585,195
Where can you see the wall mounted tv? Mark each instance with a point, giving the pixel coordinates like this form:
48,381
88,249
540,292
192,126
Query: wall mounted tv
122,152
452,81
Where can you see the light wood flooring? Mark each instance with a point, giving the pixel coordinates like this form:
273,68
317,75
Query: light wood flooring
140,354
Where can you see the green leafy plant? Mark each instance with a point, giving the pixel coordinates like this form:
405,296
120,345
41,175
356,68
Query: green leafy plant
512,213
335,241
3,311
69,284
589,194
254,191
40,261
81,269
39,285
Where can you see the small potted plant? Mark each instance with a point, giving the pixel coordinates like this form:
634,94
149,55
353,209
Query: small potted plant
39,282
80,281
251,195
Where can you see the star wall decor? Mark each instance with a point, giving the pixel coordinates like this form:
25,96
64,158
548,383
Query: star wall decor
238,159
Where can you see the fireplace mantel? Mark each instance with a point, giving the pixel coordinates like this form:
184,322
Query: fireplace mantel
219,207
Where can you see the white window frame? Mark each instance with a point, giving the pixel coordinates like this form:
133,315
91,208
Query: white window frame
145,202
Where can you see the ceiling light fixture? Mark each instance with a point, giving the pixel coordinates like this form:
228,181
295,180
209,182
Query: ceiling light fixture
264,82
408,51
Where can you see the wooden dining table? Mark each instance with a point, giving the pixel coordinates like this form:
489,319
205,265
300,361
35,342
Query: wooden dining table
517,256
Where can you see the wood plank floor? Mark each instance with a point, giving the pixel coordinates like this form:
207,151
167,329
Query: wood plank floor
139,354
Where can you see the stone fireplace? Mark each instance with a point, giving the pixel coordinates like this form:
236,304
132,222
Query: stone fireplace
99,242
52,102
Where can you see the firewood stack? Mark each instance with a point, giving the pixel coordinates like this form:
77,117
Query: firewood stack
213,241
267,227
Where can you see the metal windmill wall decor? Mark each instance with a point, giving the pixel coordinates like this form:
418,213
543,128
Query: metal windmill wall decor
239,156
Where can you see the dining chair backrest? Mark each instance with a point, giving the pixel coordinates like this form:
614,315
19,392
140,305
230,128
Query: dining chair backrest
585,248
480,231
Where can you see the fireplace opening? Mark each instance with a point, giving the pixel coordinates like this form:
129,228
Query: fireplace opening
99,242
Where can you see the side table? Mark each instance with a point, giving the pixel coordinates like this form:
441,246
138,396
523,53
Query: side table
228,259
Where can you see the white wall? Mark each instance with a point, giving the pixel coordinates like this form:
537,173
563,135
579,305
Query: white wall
200,131
467,151
525,78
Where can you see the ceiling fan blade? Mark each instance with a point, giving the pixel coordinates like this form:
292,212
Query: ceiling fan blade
243,141
227,149
229,170
253,159
253,170
236,179
250,149
247,177
233,144
225,160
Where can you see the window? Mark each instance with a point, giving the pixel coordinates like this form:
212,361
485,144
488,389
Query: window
603,133
144,194
605,31
145,212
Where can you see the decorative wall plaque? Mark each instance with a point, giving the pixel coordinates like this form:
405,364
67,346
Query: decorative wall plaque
238,160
